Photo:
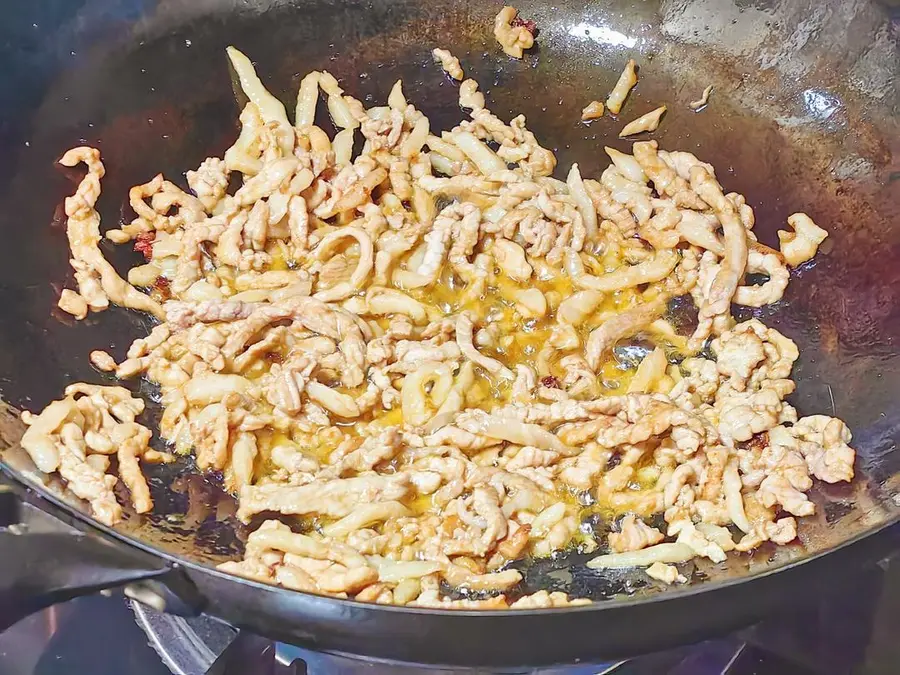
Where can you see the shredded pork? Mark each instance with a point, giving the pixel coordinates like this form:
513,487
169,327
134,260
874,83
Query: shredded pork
410,353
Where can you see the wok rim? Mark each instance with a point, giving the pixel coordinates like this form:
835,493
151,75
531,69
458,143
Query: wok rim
680,593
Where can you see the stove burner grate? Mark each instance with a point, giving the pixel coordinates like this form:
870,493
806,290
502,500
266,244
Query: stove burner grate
205,646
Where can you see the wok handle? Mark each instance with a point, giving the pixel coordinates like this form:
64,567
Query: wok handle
40,569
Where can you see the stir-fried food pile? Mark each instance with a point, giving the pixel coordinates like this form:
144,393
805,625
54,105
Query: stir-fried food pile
407,362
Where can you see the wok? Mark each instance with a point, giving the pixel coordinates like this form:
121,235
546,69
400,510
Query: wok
804,116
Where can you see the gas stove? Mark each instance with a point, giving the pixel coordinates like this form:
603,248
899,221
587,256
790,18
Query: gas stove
852,631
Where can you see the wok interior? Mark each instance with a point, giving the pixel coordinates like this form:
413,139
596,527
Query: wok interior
152,93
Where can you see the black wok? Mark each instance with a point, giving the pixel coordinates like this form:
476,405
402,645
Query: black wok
804,117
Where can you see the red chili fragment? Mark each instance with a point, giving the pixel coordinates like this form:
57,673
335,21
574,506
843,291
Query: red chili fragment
550,381
161,285
528,24
143,244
